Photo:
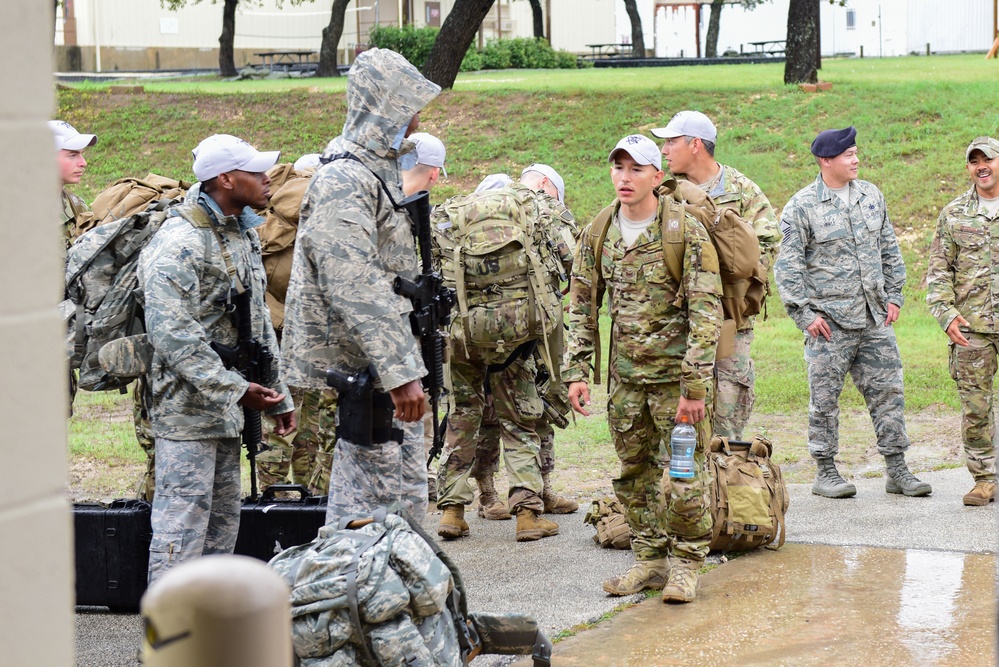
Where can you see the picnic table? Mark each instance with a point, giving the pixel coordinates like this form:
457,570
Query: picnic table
287,60
619,50
769,47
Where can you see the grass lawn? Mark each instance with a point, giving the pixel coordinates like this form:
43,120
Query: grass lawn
914,116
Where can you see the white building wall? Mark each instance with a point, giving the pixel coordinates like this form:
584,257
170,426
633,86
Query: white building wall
576,23
955,25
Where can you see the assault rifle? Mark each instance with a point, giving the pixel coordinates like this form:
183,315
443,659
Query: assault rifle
254,361
432,304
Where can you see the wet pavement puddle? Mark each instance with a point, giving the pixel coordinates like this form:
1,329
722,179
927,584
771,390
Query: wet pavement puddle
812,605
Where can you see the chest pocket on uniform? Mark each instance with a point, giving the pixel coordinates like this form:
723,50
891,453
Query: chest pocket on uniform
829,230
969,237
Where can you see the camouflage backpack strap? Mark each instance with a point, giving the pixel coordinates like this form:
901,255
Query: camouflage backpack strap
200,220
598,234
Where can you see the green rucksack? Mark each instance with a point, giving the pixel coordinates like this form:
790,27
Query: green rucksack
497,254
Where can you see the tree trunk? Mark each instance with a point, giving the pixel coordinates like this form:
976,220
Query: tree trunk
539,19
453,40
714,24
227,63
637,37
802,45
331,38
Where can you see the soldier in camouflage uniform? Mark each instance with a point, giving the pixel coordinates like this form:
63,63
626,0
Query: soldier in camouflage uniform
510,412
305,454
69,158
840,276
420,171
550,187
690,151
187,272
662,354
70,145
961,294
342,312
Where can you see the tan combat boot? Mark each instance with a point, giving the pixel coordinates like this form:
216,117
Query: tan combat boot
530,526
490,505
453,523
983,494
554,503
644,574
681,586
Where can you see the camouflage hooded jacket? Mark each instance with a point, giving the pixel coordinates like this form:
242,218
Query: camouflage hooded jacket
838,261
341,310
963,278
660,331
185,290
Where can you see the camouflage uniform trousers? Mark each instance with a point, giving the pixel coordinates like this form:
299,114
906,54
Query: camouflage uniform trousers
197,502
516,406
144,436
364,478
871,357
735,388
487,448
298,452
973,369
667,517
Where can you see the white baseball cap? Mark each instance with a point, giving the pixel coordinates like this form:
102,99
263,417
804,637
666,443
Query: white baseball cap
429,150
551,175
688,124
307,161
67,138
494,182
641,149
220,153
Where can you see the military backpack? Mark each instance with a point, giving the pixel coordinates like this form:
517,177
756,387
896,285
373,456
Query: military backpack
498,254
744,281
378,590
748,495
128,196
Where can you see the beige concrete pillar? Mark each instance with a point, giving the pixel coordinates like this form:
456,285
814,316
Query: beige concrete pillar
36,548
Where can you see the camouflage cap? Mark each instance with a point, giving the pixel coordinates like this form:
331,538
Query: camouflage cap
987,145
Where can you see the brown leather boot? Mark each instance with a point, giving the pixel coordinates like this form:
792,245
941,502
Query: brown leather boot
490,505
530,526
983,494
453,523
554,503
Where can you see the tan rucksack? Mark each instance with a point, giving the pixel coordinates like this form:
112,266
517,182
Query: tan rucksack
748,496
128,196
278,233
607,516
744,280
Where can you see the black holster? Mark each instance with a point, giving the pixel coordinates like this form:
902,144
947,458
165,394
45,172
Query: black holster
363,414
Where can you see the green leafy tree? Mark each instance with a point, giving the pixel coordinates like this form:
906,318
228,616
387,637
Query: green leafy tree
714,23
456,35
227,63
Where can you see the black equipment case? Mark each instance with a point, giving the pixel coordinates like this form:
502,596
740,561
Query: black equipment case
112,553
269,525
112,541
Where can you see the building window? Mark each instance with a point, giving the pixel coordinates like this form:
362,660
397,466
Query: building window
433,14
851,19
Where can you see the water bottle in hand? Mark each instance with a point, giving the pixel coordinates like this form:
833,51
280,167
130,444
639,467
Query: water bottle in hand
683,442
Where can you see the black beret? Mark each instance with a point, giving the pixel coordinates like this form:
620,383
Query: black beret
831,143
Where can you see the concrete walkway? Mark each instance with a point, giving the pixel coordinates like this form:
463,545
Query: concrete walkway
860,578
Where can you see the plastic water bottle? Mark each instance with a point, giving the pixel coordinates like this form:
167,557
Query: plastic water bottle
683,442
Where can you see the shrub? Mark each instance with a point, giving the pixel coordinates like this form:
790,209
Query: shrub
413,44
